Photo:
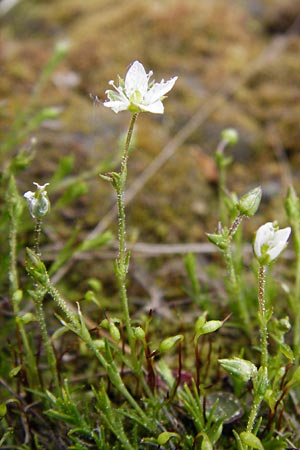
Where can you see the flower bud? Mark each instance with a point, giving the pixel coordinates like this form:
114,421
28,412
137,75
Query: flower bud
250,202
219,240
99,344
168,343
230,136
239,368
139,333
292,205
114,332
208,327
38,201
35,267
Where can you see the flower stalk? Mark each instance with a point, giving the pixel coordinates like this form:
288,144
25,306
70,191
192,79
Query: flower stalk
136,93
269,242
122,261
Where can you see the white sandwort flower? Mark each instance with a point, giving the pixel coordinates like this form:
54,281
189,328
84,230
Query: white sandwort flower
136,93
38,201
269,242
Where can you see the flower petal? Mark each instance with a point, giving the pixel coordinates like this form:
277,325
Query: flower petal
273,252
158,90
156,108
279,242
263,234
136,79
117,105
283,235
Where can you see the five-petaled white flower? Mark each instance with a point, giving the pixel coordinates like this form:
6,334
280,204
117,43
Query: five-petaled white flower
136,93
38,201
269,242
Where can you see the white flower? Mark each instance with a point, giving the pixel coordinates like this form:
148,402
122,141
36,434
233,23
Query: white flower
269,242
137,93
38,201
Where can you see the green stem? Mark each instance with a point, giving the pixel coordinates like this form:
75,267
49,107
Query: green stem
253,413
116,379
108,366
37,237
261,383
234,287
296,295
73,321
13,274
262,316
48,347
123,256
16,294
222,180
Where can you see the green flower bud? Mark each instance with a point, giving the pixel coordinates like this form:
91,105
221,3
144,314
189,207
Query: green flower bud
168,343
27,318
284,324
139,333
114,332
99,344
35,267
230,136
218,239
239,368
209,327
250,202
292,205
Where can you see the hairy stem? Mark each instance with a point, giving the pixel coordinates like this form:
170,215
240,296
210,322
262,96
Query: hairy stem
38,300
123,256
261,383
234,287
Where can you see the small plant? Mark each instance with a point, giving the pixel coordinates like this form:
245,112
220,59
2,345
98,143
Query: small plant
145,387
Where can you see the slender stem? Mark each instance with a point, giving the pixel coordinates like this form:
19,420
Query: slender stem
296,294
261,383
253,413
222,179
115,378
13,274
123,256
63,306
262,315
234,226
234,287
16,294
127,143
37,237
48,347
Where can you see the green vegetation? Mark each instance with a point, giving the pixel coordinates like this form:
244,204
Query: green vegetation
83,365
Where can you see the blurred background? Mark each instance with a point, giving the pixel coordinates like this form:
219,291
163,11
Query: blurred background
238,64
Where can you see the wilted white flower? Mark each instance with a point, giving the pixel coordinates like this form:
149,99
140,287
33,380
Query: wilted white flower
269,242
136,93
38,201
